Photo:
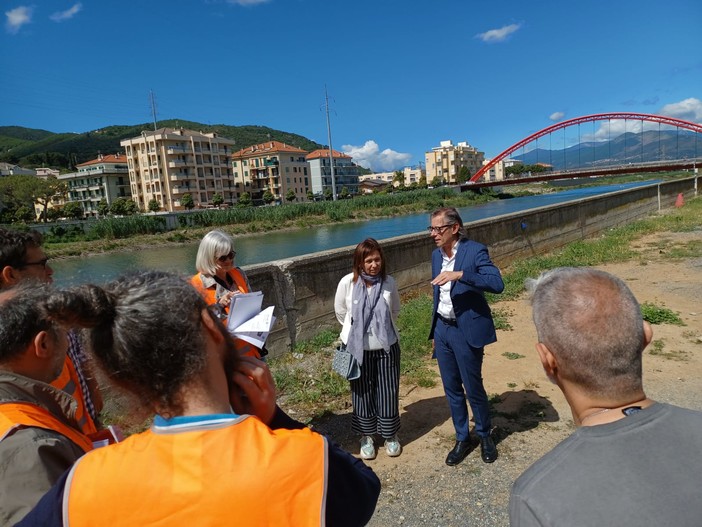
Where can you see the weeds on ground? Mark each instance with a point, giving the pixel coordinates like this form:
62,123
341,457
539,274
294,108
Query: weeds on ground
512,356
658,349
654,314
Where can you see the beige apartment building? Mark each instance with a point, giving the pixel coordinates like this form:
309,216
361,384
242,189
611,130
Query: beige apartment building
445,161
170,162
105,177
272,166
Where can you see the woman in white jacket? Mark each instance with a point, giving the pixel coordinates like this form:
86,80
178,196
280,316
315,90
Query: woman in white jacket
367,304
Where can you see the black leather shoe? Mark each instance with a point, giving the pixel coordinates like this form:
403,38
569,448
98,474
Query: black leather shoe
459,453
488,450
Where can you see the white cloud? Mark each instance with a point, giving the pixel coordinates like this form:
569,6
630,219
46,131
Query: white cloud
18,17
688,110
498,35
556,116
370,156
247,2
60,16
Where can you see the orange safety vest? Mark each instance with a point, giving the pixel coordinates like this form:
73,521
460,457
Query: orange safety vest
14,416
68,382
241,473
209,294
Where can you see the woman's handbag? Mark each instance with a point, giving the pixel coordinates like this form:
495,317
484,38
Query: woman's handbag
346,364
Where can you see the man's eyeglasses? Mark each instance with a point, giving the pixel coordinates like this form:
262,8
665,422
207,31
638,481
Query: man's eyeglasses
41,262
440,229
229,256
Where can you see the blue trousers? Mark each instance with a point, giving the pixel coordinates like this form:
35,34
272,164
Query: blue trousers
461,366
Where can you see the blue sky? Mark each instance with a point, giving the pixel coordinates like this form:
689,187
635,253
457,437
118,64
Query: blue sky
401,75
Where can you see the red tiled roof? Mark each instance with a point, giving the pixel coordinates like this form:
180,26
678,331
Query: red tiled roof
116,158
324,152
269,147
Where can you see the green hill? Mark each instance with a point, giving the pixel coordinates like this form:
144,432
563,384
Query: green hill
32,148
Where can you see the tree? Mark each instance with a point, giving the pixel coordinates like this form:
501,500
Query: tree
423,181
344,194
73,210
463,175
244,200
310,195
45,190
119,207
131,207
268,197
25,191
328,194
55,213
187,201
290,195
154,205
398,178
437,181
217,199
103,208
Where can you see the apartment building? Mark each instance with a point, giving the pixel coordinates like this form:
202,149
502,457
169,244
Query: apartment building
271,166
168,163
410,175
346,172
446,160
105,177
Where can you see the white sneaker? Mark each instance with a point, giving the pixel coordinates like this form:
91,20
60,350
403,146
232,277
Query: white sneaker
367,447
393,446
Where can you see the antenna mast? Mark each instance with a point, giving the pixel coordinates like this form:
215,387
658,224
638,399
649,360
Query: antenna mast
331,156
153,107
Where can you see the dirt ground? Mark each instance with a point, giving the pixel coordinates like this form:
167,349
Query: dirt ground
530,414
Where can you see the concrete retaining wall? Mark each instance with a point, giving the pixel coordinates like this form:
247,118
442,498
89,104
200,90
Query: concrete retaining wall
302,289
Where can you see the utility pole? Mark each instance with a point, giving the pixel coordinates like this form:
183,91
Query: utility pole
153,107
331,156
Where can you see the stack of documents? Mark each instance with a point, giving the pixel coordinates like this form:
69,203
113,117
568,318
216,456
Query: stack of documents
247,321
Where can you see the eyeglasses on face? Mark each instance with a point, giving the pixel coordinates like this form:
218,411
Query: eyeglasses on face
439,229
41,262
229,256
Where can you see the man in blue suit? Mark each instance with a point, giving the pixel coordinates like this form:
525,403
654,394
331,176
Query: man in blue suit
462,326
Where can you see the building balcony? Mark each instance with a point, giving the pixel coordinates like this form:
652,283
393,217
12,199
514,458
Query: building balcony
181,177
176,150
176,163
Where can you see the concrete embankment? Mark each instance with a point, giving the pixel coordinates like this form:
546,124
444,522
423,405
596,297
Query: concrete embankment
302,289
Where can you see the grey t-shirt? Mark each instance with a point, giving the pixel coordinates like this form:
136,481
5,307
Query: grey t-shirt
643,470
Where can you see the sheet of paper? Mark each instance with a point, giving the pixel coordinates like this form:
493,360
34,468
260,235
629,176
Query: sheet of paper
255,330
242,308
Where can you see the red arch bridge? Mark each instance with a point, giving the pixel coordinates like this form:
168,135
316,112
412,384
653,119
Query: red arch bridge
653,143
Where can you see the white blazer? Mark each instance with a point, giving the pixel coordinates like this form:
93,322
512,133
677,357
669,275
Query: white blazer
342,303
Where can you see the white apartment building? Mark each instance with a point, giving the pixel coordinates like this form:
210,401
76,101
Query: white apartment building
497,172
169,162
446,160
271,166
410,174
346,172
105,177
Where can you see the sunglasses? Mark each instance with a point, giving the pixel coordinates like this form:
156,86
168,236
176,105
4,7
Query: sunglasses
229,256
41,262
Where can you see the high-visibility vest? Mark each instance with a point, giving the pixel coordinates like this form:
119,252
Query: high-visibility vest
68,382
14,416
209,294
241,473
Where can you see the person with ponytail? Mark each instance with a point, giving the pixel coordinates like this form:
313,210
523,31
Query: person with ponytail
367,305
219,451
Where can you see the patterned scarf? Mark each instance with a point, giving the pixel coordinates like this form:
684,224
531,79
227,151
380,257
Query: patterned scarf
368,313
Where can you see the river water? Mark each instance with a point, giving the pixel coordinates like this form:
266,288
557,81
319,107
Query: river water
270,246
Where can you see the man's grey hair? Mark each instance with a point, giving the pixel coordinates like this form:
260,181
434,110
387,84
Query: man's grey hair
451,217
592,324
213,245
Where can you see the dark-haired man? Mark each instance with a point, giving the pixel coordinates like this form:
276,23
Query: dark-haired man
40,437
632,461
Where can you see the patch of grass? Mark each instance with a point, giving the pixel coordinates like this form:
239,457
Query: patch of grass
511,385
501,318
414,324
531,385
654,314
512,356
658,350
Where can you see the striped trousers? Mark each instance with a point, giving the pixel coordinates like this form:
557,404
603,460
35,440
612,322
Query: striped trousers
375,394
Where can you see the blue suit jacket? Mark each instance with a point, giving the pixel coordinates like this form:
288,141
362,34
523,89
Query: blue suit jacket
473,315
